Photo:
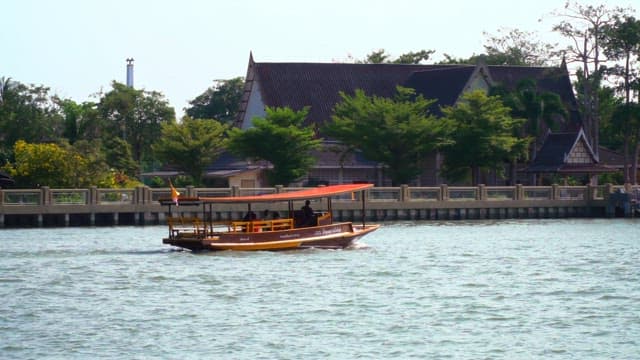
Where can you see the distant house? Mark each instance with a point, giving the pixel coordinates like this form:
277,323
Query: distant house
317,85
229,171
567,154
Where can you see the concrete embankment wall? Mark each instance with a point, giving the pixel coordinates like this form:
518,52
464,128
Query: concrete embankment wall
107,207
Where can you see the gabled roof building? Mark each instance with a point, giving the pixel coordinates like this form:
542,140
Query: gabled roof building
567,154
317,86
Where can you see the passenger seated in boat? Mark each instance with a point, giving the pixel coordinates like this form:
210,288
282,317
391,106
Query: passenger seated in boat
250,216
308,217
274,215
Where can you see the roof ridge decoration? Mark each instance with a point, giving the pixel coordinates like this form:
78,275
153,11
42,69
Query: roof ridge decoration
581,135
480,69
246,92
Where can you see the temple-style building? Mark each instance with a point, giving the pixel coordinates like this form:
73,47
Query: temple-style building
317,86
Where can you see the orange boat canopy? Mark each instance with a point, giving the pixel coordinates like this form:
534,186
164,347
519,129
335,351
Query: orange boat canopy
314,193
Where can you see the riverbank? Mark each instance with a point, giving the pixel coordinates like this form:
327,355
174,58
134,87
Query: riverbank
47,207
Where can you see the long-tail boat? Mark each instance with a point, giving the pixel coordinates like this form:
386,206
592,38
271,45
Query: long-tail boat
294,231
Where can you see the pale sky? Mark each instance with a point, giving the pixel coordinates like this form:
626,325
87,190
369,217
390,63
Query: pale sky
77,47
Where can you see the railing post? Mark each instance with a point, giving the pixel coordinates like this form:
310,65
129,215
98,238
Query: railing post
45,195
404,193
519,195
279,189
444,193
93,195
482,192
235,190
608,190
590,192
1,197
555,192
191,191
137,196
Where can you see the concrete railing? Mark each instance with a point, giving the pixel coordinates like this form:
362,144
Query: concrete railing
444,193
140,205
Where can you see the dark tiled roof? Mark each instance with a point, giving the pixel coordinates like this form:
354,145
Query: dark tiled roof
551,79
317,85
610,157
551,156
228,161
444,85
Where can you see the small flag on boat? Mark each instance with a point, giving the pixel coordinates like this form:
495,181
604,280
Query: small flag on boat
174,193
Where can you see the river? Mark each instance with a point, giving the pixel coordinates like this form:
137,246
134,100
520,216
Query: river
552,289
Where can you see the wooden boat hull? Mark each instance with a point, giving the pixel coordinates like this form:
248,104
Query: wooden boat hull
334,236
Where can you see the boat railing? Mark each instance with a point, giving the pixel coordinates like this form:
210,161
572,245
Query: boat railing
183,226
261,225
323,218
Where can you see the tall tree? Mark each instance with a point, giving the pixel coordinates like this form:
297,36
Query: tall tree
220,102
135,116
517,47
483,136
510,47
191,145
281,139
397,132
584,26
622,42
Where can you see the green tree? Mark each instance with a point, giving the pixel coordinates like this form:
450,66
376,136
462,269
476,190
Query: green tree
135,116
90,124
397,132
483,136
542,109
118,155
280,138
90,167
27,113
611,135
191,145
380,56
220,102
71,112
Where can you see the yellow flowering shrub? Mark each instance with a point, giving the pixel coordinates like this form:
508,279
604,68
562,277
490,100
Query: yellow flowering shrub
57,166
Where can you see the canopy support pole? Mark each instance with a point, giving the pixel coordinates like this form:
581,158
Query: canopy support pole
363,208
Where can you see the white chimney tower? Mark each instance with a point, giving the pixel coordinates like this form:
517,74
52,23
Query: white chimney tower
130,72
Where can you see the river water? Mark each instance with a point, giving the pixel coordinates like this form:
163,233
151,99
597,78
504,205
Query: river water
552,289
